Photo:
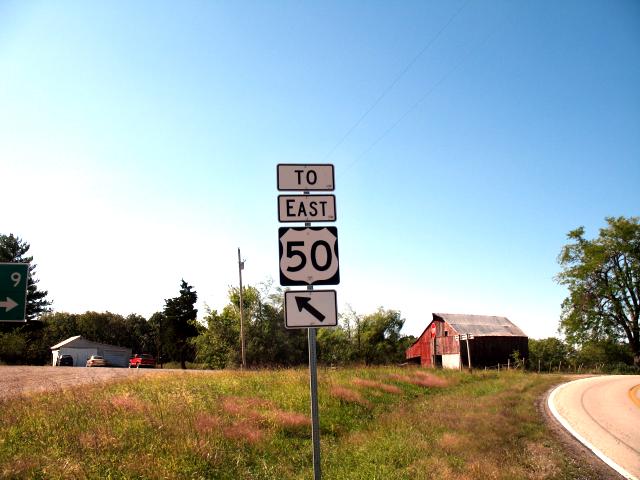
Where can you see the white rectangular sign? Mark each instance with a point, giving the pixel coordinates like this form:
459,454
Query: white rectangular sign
307,208
309,309
464,337
306,177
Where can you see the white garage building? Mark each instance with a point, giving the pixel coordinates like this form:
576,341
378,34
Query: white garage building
81,349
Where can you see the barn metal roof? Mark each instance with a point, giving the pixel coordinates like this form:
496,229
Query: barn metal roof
480,325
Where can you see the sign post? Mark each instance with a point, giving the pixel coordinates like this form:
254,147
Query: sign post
13,292
309,256
467,336
313,387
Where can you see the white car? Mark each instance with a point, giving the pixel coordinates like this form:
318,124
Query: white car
96,361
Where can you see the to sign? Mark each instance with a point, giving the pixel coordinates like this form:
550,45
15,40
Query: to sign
307,208
13,292
316,308
305,178
309,256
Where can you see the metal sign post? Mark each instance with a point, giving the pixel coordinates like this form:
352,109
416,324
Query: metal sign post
468,352
313,386
309,256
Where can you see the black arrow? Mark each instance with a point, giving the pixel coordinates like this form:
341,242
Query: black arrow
303,303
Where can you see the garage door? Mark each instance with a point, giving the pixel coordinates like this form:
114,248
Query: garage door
116,358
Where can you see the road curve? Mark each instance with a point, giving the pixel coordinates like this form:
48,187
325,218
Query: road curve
604,414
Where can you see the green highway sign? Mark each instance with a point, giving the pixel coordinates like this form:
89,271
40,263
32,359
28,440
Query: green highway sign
13,292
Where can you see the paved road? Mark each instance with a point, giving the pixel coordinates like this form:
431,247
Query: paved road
604,413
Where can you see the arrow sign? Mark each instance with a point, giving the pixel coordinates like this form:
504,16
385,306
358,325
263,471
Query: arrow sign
304,304
311,308
8,304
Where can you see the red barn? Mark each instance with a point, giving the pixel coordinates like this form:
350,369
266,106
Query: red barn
491,340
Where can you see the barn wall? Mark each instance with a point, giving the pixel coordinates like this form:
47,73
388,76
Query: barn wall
422,348
449,345
443,345
489,351
426,359
451,361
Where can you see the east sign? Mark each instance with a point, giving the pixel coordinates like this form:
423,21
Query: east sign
306,208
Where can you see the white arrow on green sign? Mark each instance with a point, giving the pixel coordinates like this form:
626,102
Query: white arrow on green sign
13,292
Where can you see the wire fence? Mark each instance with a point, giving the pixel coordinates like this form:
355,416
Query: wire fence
560,367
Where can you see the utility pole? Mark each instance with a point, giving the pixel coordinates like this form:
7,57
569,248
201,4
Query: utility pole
240,268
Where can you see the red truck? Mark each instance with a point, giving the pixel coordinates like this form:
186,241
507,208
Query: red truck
142,360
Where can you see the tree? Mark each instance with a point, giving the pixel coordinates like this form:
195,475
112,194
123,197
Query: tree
603,279
157,323
334,345
218,346
14,250
381,337
181,325
268,342
549,353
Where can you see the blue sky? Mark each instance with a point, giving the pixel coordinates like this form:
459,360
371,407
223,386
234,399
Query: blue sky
141,139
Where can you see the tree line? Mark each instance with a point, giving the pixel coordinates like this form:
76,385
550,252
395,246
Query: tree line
599,319
174,333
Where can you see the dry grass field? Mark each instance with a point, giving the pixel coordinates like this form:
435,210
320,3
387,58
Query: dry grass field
376,423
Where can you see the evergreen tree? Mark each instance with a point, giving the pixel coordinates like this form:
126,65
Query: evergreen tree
181,325
14,250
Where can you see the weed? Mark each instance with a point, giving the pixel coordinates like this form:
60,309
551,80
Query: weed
376,423
347,395
385,387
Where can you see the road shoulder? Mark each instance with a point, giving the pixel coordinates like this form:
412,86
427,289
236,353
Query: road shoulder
580,456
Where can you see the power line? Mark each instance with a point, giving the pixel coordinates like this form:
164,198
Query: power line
406,113
395,81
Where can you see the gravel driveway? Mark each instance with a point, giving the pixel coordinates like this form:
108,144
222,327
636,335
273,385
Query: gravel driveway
21,380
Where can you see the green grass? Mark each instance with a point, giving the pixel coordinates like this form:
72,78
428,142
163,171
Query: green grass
376,423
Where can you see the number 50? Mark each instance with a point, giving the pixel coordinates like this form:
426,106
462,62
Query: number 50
313,254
